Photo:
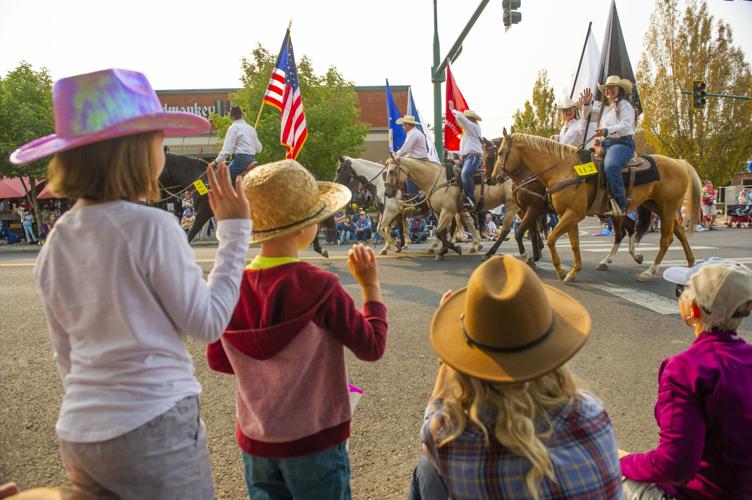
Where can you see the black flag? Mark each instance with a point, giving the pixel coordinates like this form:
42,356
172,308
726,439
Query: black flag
615,59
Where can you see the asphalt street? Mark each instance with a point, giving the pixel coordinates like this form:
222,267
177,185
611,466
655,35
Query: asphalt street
635,326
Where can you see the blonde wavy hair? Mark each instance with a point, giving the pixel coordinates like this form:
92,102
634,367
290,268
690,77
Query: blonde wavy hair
518,408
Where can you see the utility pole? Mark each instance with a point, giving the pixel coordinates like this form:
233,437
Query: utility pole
437,71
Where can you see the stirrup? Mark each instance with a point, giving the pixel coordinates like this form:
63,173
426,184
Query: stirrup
615,210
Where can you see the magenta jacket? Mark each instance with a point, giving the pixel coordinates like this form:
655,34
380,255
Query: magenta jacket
704,412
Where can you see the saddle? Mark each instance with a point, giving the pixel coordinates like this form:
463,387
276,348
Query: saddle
639,170
454,172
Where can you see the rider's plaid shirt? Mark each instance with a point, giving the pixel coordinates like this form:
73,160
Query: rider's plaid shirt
582,448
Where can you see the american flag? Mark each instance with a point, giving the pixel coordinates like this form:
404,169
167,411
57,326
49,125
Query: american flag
283,93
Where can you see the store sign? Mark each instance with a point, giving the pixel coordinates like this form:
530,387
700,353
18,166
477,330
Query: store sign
197,109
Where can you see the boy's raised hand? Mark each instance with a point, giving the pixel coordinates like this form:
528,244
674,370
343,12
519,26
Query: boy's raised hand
362,264
225,201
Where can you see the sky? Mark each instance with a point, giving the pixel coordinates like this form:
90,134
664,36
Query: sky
191,44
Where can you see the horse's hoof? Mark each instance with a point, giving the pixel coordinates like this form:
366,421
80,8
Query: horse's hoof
429,251
602,266
325,253
569,278
457,249
638,259
479,247
644,276
530,262
438,257
383,252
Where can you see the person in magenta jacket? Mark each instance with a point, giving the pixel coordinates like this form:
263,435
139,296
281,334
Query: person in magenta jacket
704,406
285,342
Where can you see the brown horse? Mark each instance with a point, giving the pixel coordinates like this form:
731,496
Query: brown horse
551,162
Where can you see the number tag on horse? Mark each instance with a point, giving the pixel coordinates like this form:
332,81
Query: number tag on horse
585,169
201,187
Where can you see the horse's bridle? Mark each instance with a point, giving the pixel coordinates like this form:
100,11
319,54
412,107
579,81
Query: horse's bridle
505,151
390,188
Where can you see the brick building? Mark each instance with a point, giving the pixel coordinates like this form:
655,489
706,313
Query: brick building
204,102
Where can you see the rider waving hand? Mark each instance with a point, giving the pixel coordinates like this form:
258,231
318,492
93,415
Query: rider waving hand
471,149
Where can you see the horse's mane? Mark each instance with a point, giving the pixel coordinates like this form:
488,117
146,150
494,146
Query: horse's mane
543,145
421,162
364,162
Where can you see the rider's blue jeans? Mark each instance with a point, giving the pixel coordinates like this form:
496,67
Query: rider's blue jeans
470,166
618,152
238,164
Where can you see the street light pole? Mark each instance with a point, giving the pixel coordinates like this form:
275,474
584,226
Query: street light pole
437,71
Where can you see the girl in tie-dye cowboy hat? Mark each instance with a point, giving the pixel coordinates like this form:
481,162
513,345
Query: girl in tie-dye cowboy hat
120,287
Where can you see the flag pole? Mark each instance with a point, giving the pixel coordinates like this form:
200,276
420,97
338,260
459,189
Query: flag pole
584,46
261,108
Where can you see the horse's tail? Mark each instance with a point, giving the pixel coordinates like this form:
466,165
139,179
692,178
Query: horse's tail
643,222
694,196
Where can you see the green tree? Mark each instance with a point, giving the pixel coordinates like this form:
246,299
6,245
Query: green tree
681,47
331,111
25,115
539,116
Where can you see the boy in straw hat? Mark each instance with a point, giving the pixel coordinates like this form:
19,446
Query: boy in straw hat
704,405
505,418
285,341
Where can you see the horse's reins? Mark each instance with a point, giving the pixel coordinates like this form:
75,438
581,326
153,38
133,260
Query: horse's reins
171,194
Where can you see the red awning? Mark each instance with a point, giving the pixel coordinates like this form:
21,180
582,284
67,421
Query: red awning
11,188
45,194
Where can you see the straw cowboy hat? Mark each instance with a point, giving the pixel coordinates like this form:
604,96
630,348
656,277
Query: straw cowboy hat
407,119
105,105
472,114
566,103
507,326
617,81
285,197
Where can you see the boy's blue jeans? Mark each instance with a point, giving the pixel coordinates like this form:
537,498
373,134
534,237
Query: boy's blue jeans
618,152
324,475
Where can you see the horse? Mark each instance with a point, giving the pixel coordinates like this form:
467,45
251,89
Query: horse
177,176
370,175
532,200
444,199
526,158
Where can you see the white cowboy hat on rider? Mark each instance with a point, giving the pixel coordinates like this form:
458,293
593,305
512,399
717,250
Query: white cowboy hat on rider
566,103
617,81
407,119
472,114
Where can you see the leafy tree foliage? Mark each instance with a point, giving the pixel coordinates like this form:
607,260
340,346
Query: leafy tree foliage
682,46
331,110
539,116
25,115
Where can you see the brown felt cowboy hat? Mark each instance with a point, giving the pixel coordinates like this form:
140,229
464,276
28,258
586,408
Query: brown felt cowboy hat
285,197
617,81
507,326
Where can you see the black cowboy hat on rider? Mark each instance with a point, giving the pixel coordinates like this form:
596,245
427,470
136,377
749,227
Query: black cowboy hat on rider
615,131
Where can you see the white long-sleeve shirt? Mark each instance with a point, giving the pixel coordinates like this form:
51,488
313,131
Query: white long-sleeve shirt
241,138
470,142
414,146
120,288
620,125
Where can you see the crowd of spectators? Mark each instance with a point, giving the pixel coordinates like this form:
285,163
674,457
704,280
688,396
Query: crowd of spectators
20,216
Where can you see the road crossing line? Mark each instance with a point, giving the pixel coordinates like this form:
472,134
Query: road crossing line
649,300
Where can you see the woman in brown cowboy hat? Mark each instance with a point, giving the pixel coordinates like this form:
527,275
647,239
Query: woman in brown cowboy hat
506,419
614,130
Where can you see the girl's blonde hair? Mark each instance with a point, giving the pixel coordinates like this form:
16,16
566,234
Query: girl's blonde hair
517,408
121,168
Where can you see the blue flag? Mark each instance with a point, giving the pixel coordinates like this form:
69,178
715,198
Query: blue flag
412,110
396,132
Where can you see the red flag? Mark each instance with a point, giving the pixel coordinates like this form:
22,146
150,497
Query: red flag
452,131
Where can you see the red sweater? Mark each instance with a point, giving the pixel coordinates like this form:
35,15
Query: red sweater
285,346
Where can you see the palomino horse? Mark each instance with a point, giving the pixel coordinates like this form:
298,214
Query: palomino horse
371,175
551,162
531,199
444,199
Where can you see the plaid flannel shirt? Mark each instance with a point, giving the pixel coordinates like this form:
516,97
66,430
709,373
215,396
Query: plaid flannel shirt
582,449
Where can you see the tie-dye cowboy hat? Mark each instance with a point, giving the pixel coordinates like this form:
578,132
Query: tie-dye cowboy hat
105,105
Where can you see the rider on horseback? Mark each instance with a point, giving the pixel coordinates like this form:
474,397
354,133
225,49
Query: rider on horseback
616,122
241,141
471,150
414,147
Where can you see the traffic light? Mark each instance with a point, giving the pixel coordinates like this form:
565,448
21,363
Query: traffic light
698,94
511,16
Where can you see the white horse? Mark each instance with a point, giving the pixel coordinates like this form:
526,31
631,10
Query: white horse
372,175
